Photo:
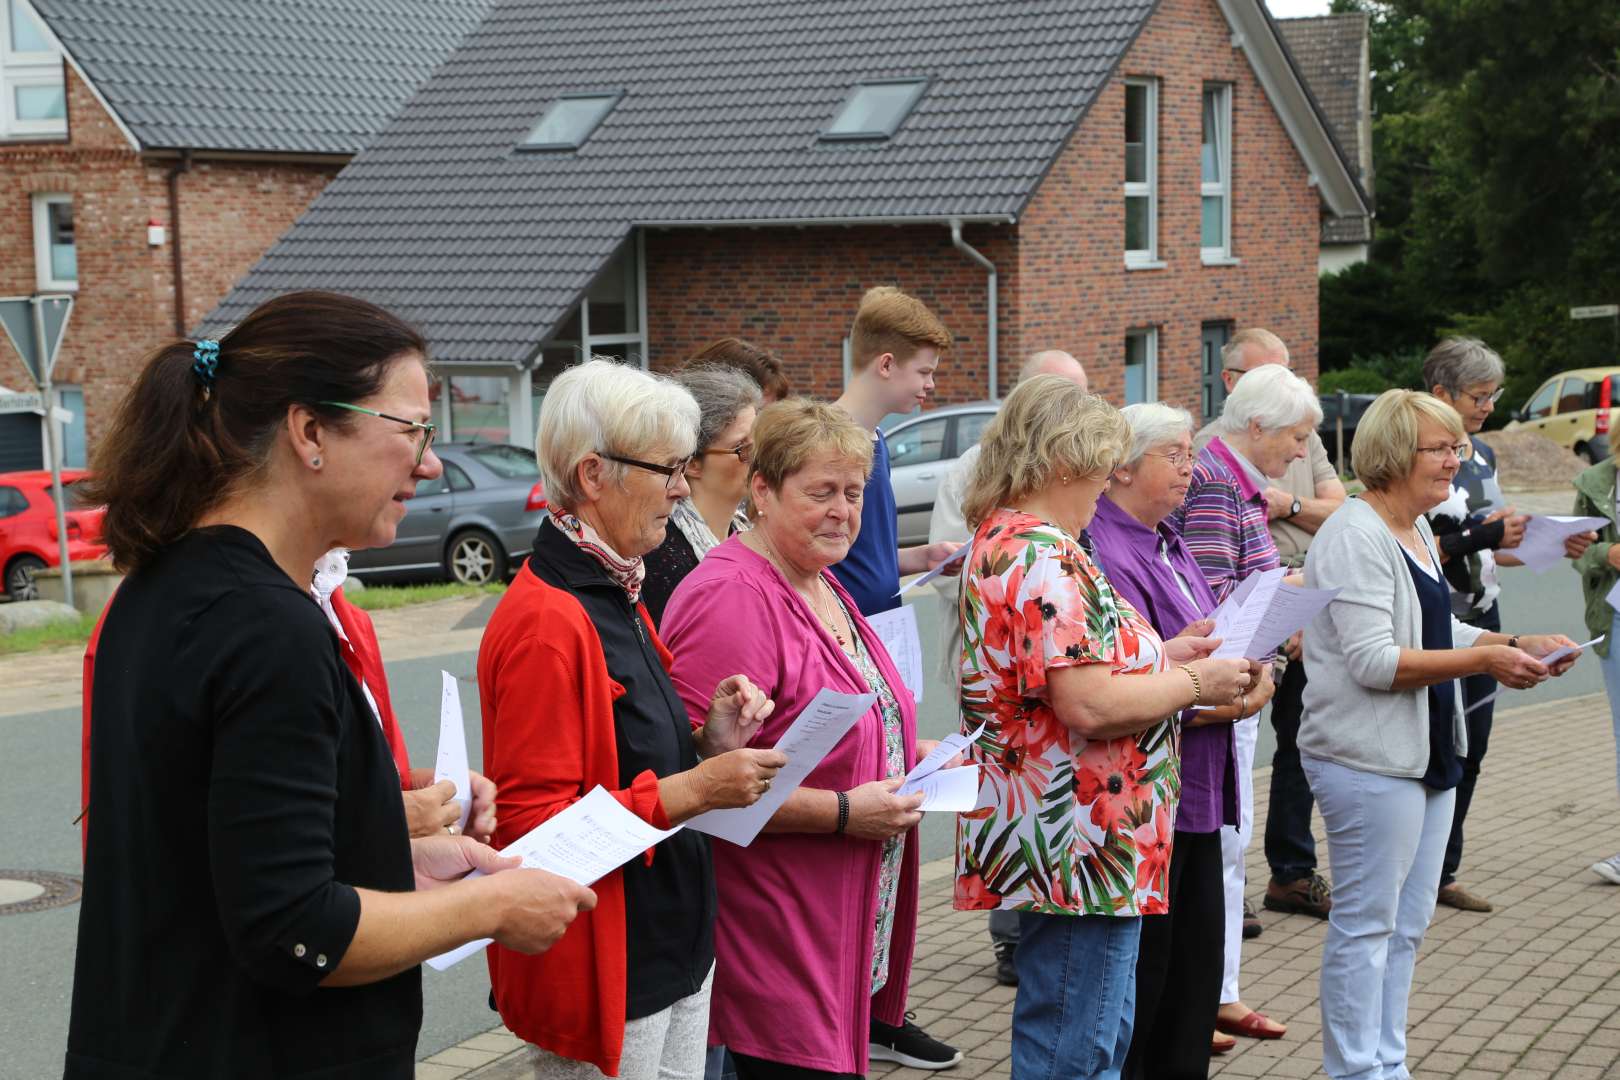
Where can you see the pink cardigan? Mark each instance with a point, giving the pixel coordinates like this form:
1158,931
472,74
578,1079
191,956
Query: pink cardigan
793,943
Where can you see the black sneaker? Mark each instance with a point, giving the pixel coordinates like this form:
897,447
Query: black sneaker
910,1045
1251,921
1006,968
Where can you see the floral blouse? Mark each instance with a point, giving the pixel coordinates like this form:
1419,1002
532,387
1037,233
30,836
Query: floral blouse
1073,826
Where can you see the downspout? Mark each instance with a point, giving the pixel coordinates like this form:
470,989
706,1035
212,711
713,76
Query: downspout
990,303
184,165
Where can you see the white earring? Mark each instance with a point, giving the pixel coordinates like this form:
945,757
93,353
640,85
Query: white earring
315,462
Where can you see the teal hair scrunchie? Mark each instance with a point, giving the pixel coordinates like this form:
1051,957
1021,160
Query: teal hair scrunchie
205,362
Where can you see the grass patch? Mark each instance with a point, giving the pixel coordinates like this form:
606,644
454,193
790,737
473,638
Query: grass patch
52,635
385,597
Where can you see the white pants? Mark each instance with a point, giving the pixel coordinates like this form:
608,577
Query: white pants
1386,840
668,1045
1234,843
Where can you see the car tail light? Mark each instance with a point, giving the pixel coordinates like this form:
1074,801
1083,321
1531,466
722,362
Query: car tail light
1604,401
537,497
74,531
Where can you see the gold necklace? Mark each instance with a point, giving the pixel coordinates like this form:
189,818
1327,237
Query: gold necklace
1411,539
831,624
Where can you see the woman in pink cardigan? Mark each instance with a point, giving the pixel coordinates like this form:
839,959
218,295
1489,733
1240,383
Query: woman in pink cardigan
818,916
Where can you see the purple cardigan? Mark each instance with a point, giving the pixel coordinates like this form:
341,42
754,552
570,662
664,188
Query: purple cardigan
793,942
1130,552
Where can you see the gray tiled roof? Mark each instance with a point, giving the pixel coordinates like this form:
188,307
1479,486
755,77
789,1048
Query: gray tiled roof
485,247
281,76
1328,52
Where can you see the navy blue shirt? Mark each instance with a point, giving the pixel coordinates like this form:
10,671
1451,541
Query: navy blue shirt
1434,600
871,570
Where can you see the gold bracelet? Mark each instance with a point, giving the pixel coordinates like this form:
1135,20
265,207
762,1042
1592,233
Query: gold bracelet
1198,687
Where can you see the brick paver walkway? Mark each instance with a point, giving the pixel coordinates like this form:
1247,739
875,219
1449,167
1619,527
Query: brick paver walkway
1528,992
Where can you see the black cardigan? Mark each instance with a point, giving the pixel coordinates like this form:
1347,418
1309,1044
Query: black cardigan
240,789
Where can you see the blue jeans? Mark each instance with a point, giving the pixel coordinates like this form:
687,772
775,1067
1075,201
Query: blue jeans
1076,996
1611,681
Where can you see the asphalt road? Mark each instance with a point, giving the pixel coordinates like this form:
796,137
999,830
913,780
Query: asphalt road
40,800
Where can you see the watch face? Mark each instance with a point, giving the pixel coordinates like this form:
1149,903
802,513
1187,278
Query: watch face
1294,509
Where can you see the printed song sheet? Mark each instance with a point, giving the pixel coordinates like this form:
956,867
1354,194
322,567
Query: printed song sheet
897,629
451,764
1550,659
949,789
960,554
1266,616
1543,545
585,842
827,719
950,746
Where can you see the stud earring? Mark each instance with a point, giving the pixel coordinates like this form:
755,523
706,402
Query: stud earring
315,462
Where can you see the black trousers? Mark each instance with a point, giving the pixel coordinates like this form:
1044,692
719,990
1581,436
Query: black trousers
753,1068
1290,847
1178,968
1478,723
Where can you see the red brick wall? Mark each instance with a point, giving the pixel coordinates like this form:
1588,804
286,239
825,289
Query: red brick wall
230,213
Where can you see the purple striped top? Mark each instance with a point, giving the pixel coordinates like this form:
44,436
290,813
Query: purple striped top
1222,521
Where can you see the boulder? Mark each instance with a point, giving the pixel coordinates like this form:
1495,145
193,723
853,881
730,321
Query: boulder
28,614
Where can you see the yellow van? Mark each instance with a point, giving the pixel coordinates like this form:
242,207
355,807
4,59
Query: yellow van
1572,409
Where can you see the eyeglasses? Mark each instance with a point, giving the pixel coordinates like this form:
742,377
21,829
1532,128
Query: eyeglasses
1482,400
671,473
426,429
1176,459
744,451
1463,450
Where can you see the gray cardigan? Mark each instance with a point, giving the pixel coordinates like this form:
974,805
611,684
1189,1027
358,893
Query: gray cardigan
1352,647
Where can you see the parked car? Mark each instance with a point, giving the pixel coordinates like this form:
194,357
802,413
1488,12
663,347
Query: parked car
28,536
1353,405
1572,409
922,446
469,525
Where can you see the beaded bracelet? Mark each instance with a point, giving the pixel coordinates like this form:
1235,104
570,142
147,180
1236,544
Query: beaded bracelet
843,812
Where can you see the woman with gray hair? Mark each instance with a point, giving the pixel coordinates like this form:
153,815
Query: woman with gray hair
1265,424
576,694
727,402
1178,965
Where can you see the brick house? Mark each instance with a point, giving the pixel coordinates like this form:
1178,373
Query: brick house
1126,179
151,151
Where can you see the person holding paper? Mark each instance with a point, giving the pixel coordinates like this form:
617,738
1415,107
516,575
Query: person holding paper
1266,422
1383,737
1179,966
818,914
717,474
575,693
253,905
1599,567
1079,758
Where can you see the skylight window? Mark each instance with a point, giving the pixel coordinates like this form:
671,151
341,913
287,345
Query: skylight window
875,110
570,121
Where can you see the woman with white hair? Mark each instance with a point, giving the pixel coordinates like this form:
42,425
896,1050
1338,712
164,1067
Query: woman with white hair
1178,967
1265,424
576,694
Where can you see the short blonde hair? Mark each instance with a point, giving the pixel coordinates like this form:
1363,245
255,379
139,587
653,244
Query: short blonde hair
891,321
605,407
791,433
1047,426
1387,435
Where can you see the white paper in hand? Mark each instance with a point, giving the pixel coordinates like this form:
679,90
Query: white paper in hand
1543,545
451,763
1614,597
815,731
950,746
955,557
950,789
585,842
1550,659
897,629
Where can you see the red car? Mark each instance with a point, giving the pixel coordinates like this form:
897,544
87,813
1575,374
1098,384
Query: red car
28,541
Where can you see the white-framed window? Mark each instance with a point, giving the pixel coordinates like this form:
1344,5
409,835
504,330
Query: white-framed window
1141,365
1215,174
1141,171
33,93
610,321
56,256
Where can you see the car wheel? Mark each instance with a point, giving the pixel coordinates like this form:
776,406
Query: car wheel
20,584
1584,452
475,558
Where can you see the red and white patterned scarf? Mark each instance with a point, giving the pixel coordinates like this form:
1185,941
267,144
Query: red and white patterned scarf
628,573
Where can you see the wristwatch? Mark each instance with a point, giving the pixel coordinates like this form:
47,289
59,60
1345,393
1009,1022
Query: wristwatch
1293,508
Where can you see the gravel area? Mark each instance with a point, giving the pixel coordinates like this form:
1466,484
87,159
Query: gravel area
1529,461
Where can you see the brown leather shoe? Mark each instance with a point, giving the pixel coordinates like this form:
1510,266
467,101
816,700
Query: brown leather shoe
1305,896
1454,895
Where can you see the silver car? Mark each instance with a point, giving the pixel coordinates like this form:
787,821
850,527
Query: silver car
922,446
471,524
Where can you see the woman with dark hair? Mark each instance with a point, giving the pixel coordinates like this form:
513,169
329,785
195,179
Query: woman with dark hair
759,364
253,906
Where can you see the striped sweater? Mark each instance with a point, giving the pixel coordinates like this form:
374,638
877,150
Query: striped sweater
1222,521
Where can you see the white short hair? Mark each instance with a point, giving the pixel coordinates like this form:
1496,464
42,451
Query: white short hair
1271,396
1153,423
605,407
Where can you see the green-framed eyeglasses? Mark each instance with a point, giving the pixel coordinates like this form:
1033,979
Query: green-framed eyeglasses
426,429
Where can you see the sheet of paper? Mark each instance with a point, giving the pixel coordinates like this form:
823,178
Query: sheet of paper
950,746
451,763
1551,658
815,731
1543,545
1614,597
1236,617
950,789
585,842
897,629
961,553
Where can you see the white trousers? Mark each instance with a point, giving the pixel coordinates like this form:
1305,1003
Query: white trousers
668,1045
1234,843
1386,840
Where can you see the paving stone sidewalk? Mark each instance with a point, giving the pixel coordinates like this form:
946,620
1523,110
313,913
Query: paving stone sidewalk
1530,991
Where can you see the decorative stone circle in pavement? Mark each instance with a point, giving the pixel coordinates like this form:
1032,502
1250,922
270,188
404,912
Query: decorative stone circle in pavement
22,891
